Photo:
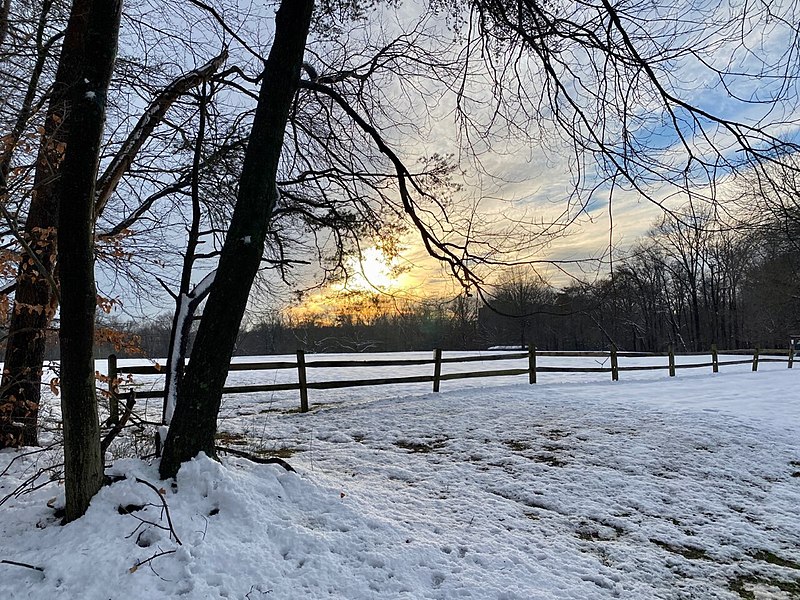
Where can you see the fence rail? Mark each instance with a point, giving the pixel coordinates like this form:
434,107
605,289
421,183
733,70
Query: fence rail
755,355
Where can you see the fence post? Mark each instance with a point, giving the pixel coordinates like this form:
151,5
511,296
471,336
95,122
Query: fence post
671,361
437,368
791,356
301,379
614,363
531,363
113,399
755,360
714,358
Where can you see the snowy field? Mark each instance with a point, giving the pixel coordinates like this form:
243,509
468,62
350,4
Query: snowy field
577,487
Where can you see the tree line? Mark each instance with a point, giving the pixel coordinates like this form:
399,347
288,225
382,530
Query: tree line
685,285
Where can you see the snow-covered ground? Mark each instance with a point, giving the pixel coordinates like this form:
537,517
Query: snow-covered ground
577,487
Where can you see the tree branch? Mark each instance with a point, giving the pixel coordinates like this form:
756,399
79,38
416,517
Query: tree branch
147,123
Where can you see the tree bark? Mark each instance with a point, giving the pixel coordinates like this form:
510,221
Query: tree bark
35,300
83,462
194,423
5,8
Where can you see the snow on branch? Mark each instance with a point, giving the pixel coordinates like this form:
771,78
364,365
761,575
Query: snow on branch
147,123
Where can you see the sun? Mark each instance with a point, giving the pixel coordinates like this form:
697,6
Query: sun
372,271
375,282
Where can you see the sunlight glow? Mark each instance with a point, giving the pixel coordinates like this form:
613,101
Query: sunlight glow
373,272
376,284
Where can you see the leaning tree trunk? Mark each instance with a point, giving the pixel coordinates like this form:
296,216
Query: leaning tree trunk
83,462
194,423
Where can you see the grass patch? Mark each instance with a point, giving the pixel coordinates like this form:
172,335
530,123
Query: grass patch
544,457
553,448
774,559
278,452
550,461
743,583
423,447
688,552
557,434
227,439
296,409
517,445
590,532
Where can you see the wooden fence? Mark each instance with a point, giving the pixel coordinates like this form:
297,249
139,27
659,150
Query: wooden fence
301,365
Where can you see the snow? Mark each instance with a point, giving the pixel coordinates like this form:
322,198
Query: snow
182,313
186,305
577,487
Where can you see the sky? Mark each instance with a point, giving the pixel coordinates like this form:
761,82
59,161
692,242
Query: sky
731,69
524,168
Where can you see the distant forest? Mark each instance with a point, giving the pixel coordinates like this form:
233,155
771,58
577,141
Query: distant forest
685,284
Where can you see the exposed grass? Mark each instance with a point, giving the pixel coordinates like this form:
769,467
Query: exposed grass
774,559
517,445
556,434
742,585
421,446
549,460
689,552
311,408
598,530
227,438
545,457
284,452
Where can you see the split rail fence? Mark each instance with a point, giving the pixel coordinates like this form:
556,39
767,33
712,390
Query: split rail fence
303,385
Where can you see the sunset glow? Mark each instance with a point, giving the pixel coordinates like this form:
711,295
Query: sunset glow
374,284
372,272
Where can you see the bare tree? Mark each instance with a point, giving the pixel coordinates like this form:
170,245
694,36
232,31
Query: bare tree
518,297
606,74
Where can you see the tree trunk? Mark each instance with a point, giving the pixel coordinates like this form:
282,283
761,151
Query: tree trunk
83,462
194,423
186,303
5,8
35,300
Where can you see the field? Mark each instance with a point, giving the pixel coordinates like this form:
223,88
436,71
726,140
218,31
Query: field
577,487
